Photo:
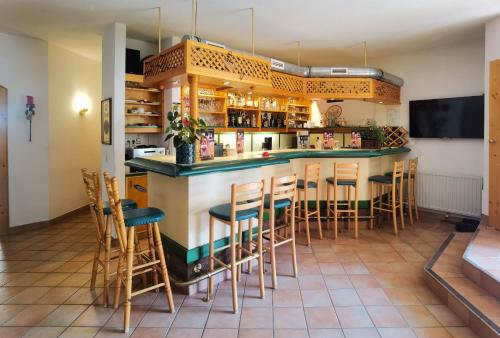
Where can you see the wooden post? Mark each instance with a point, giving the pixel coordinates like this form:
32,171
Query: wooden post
193,110
366,54
298,53
194,9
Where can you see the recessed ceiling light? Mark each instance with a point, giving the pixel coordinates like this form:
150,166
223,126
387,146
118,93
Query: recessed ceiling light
380,102
227,82
250,93
176,82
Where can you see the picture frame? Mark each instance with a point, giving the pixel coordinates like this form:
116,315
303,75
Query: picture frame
106,121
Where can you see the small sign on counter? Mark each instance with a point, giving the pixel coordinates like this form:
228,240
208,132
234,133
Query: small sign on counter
207,145
240,141
328,139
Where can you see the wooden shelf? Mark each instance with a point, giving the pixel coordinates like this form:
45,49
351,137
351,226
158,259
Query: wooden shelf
130,102
247,129
143,115
272,111
212,96
272,130
212,112
243,108
143,130
150,90
299,105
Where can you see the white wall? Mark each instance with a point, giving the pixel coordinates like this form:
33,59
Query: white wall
447,71
23,71
74,139
491,52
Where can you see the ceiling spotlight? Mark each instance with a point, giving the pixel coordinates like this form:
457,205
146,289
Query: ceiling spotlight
227,82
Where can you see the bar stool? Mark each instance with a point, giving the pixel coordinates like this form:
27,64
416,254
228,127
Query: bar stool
344,175
411,188
101,213
281,196
247,202
311,176
126,223
394,184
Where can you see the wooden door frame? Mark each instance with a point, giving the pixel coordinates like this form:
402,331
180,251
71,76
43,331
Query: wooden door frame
4,167
494,139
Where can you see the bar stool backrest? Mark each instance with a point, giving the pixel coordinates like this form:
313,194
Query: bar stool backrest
398,172
412,167
346,171
92,184
283,188
116,209
312,173
247,196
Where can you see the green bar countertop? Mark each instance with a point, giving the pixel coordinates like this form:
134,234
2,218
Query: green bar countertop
166,164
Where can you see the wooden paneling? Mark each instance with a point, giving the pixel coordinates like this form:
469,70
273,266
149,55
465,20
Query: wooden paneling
137,189
494,135
4,177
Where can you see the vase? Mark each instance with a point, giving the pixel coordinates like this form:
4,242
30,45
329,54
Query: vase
184,154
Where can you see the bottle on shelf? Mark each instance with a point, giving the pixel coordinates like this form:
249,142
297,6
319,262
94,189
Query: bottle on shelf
254,121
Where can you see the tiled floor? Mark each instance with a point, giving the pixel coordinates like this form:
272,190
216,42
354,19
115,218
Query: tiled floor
371,287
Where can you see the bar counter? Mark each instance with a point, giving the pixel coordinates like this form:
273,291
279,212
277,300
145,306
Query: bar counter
187,192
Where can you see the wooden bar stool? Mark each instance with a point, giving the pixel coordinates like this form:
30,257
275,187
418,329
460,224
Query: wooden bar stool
281,196
344,175
101,213
411,188
132,262
247,202
311,176
394,186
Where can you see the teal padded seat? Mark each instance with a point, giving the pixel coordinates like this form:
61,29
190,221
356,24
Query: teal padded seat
126,205
405,175
278,204
311,185
142,216
223,212
380,179
341,182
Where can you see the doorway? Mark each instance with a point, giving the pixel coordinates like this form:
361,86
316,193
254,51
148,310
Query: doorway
494,138
4,175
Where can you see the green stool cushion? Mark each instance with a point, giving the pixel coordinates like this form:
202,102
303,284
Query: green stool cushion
380,179
126,204
405,175
142,216
278,204
342,182
223,212
300,184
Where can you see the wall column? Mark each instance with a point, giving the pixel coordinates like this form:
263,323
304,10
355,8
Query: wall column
193,110
114,41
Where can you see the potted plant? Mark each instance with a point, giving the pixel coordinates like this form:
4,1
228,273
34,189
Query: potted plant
185,131
372,137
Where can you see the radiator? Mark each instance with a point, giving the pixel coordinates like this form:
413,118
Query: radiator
456,194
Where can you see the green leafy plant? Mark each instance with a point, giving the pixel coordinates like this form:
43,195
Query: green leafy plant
183,129
373,132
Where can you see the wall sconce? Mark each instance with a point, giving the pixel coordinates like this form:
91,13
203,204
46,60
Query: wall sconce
81,104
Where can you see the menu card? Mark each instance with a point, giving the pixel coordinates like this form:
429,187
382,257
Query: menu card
328,139
207,145
240,141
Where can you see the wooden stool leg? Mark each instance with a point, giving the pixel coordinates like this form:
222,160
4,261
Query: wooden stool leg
328,207
152,254
163,267
401,205
409,200
348,195
372,187
128,278
119,278
294,249
394,213
240,250
234,269
287,219
415,196
107,258
260,258
335,212
211,259
299,210
356,229
272,248
95,264
140,260
318,213
250,238
306,216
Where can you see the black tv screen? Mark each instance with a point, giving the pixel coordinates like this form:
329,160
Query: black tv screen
456,117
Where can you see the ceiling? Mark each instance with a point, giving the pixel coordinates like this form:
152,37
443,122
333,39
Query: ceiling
331,31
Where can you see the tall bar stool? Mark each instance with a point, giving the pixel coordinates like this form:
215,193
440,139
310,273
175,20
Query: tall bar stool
311,176
344,175
132,262
411,188
247,202
281,196
101,213
394,185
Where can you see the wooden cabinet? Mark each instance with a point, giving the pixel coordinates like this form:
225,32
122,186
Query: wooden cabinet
137,189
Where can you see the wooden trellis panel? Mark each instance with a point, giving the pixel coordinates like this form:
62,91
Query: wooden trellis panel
287,84
395,136
169,63
206,60
386,93
357,88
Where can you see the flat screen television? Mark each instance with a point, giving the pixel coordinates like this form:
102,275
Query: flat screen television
456,117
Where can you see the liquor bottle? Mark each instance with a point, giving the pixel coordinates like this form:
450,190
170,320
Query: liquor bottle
254,121
249,123
240,120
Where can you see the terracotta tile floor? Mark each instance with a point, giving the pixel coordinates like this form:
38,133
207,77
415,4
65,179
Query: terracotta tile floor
371,287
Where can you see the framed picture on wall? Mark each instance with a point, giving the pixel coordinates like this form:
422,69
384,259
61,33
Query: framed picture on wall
106,121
